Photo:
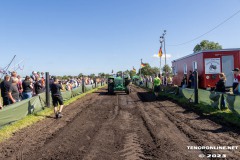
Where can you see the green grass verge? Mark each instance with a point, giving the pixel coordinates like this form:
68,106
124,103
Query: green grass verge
224,116
7,131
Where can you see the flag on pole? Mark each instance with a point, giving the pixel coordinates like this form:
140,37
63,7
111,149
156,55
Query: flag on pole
143,64
112,70
160,52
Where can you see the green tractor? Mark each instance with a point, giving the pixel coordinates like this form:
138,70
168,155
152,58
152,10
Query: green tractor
119,84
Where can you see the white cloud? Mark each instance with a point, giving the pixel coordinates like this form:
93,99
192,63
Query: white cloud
168,56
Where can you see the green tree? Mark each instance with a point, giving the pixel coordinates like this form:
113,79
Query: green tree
65,77
101,74
80,75
59,77
167,68
148,70
127,72
206,45
132,73
107,75
92,75
155,70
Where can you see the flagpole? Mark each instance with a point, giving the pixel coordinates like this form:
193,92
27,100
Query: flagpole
165,48
161,55
160,65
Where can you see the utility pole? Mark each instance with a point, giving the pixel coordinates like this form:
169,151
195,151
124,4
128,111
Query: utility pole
162,39
160,58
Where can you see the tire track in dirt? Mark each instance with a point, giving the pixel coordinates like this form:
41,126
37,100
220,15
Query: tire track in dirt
200,137
169,141
138,143
75,141
122,127
198,130
123,136
29,139
104,127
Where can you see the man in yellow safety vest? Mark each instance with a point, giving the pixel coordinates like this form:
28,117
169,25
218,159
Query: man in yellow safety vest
157,82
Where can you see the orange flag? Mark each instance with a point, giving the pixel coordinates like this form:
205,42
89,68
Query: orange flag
160,52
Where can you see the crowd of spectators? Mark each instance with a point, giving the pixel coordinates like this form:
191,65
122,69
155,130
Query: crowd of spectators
14,88
166,80
77,82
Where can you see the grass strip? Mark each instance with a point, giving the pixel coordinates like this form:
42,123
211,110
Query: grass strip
7,131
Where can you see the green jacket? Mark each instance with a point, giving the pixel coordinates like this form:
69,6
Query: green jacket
157,81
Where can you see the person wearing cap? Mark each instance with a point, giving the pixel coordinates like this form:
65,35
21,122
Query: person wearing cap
236,81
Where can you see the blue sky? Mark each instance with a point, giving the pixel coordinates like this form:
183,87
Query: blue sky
68,37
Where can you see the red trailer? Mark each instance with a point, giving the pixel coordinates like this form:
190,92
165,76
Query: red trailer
208,64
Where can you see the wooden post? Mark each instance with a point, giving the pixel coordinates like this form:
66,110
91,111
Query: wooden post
195,87
47,89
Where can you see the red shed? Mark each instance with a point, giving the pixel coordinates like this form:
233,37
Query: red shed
208,64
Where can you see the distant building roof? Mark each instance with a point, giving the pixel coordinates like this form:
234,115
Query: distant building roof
204,51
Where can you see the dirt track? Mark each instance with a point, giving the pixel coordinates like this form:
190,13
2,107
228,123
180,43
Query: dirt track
135,126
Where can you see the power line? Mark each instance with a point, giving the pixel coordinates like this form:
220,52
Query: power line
207,31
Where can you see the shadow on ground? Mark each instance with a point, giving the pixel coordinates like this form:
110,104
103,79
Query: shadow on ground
105,93
146,96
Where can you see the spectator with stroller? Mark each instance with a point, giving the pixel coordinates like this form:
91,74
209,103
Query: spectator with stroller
27,88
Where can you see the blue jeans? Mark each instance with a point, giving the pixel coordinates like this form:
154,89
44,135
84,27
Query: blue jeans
27,95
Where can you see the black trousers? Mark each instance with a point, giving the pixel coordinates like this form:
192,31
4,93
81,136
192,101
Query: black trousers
6,101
